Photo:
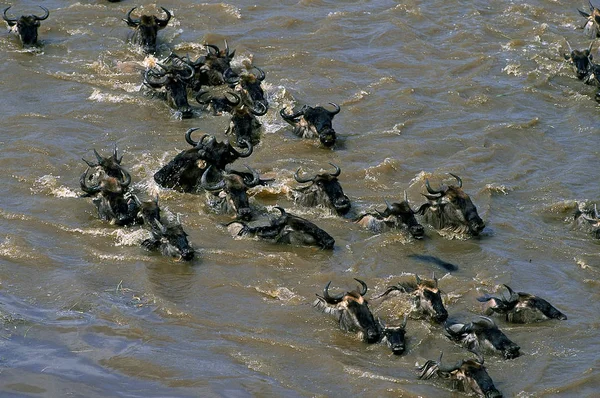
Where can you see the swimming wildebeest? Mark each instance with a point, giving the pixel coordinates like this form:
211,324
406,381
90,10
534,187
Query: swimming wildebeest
167,236
311,122
210,68
352,311
174,78
184,172
426,298
394,336
288,229
450,208
325,190
244,125
520,307
115,204
146,29
26,26
588,220
592,24
482,334
395,216
218,103
249,87
110,165
582,62
229,194
466,375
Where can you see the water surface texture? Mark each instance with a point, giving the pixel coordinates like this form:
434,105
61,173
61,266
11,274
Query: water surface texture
426,88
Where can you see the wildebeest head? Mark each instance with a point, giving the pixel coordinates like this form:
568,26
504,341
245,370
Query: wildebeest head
106,185
592,24
588,220
185,171
582,61
427,297
521,307
244,124
26,26
352,311
470,374
248,85
146,29
174,77
394,336
219,104
170,239
324,190
482,334
149,211
233,187
110,165
451,208
312,122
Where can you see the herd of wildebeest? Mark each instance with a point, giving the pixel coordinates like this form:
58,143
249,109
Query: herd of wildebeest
205,167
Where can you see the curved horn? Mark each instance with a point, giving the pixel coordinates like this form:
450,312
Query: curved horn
209,46
163,22
116,155
418,279
98,157
200,94
230,77
336,110
244,154
188,67
338,171
431,190
237,99
126,178
404,321
388,205
513,296
46,13
293,115
331,299
162,78
84,187
188,137
261,112
302,180
90,164
457,179
364,287
261,74
435,280
131,22
255,178
282,211
7,19
211,188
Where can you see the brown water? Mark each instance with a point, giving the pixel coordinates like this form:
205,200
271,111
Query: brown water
476,88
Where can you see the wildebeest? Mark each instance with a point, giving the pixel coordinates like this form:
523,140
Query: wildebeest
115,204
184,172
394,336
592,24
210,68
311,122
229,194
249,86
166,236
325,190
482,334
395,216
520,307
288,229
352,311
174,78
450,208
466,375
244,125
26,26
426,298
218,103
582,62
588,220
110,165
146,29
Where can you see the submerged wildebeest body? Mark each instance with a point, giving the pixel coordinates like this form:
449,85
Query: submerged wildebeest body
325,190
184,172
311,122
395,216
146,29
588,220
482,334
229,194
244,125
466,375
173,78
450,208
249,87
26,26
352,311
168,236
288,229
591,28
115,203
394,336
521,307
426,298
